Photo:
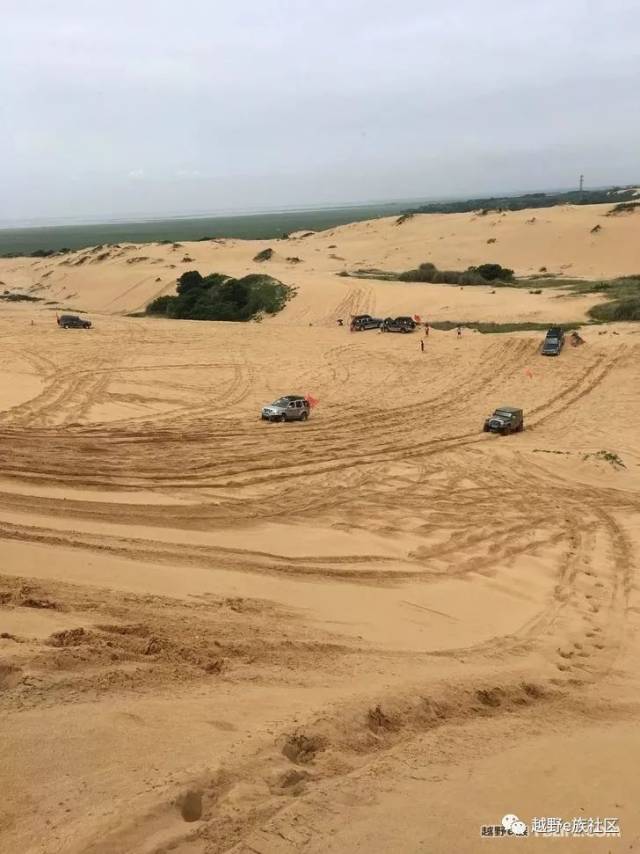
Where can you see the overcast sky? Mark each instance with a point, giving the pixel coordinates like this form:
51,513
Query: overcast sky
112,108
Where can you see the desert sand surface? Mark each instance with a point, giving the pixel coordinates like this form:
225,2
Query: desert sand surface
374,632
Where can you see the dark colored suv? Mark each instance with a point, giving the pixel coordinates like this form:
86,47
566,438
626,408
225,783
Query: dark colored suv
505,420
364,321
399,324
72,321
554,342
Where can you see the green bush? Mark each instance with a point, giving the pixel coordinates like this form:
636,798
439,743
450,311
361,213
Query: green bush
494,272
617,310
623,207
190,281
159,305
220,297
471,277
481,275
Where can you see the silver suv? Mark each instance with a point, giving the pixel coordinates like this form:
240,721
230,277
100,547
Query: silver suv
289,408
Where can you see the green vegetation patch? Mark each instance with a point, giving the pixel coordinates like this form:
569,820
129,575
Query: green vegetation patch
9,297
483,327
623,298
484,274
623,208
623,196
220,297
627,309
370,273
622,294
607,457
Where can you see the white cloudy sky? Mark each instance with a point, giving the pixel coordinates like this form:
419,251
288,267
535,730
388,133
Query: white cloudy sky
123,107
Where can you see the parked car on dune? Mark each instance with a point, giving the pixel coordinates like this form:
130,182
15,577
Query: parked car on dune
399,324
72,321
364,321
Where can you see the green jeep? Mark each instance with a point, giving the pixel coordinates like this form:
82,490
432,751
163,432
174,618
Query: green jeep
505,420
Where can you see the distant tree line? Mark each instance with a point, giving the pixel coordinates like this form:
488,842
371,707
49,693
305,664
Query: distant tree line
531,200
38,253
220,297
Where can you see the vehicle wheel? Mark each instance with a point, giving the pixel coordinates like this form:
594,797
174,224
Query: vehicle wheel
485,429
65,325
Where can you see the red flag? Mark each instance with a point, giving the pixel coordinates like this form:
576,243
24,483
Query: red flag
312,401
416,317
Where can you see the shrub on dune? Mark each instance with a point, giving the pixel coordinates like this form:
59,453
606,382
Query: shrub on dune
220,297
481,275
617,310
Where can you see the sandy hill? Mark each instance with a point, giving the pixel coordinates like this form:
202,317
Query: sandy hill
373,632
126,278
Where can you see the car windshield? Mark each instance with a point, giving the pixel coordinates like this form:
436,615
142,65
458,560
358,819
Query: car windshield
281,401
502,414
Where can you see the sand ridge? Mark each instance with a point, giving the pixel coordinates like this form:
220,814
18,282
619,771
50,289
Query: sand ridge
125,278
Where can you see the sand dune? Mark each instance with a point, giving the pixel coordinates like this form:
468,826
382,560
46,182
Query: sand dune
117,280
373,632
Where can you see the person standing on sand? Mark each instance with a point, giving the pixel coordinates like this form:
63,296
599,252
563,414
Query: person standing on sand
426,330
422,345
459,331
